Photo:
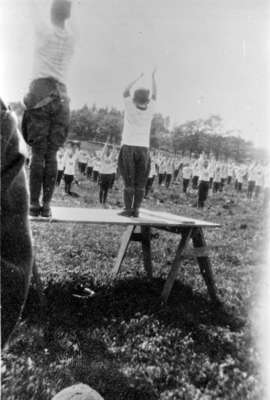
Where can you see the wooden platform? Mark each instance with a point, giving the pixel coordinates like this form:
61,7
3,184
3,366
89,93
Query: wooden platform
140,230
111,216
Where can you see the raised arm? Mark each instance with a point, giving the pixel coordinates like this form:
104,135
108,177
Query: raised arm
127,89
154,85
105,148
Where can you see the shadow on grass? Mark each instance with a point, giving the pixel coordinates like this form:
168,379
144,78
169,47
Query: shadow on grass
186,310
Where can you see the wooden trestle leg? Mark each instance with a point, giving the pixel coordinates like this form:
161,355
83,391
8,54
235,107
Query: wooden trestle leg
146,248
205,264
186,234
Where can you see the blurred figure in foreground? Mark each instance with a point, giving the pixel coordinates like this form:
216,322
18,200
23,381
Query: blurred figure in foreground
16,242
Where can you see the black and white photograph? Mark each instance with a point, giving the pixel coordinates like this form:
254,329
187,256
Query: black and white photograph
135,197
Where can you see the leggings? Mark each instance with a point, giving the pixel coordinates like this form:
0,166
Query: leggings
202,193
104,186
149,185
168,180
59,177
68,181
185,185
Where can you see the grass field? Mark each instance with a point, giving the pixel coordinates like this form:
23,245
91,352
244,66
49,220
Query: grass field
123,342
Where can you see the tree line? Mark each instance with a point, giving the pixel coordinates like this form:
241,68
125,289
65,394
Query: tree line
192,137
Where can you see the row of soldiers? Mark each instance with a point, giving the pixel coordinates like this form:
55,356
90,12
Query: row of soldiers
195,173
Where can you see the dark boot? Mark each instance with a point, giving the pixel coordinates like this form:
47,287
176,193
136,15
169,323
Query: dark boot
128,198
49,178
36,178
128,201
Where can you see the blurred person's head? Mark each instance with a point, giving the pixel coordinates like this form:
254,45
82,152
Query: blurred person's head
141,98
60,11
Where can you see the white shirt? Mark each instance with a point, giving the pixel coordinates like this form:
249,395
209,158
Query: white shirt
240,173
83,156
204,174
196,169
187,172
53,49
217,176
169,167
252,173
259,177
70,164
90,161
153,169
137,124
224,171
106,165
60,161
96,165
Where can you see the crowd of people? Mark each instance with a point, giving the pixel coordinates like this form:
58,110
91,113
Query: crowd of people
199,174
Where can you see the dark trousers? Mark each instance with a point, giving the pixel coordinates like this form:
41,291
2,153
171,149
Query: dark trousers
176,173
59,177
95,176
112,180
229,180
222,183
202,193
83,168
210,183
68,181
161,178
251,187
168,180
216,186
104,186
239,187
185,185
134,166
89,171
195,182
45,129
149,184
257,191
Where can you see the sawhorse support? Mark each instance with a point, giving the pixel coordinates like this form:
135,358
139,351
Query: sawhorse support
200,252
144,236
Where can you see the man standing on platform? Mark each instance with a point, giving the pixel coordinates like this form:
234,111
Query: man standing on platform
46,118
134,158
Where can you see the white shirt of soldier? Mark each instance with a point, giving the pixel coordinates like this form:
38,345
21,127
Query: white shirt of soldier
187,172
83,156
204,174
70,164
162,167
240,172
196,168
90,161
54,47
217,175
169,167
153,169
252,174
211,169
96,165
224,171
259,179
106,165
137,124
60,161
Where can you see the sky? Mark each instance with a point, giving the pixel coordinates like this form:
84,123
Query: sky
212,57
